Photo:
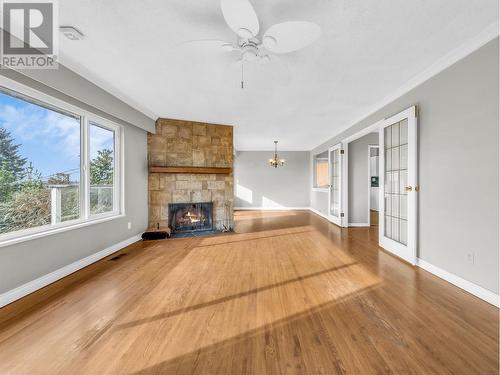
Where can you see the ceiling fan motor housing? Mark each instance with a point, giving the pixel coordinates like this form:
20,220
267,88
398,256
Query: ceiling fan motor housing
249,52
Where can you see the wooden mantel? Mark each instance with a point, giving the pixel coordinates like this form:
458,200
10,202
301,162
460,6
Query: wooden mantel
194,170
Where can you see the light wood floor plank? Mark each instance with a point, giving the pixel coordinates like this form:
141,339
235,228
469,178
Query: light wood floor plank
289,293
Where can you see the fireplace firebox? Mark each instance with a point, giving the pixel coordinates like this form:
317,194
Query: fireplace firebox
190,217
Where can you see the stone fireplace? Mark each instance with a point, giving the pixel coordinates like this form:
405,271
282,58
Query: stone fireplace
190,163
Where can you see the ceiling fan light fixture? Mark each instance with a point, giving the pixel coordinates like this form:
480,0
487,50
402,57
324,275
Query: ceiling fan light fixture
269,41
245,33
249,55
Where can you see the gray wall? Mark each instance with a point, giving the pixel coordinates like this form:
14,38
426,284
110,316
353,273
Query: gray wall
29,260
256,182
458,165
358,178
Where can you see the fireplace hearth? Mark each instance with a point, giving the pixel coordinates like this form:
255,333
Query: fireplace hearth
190,217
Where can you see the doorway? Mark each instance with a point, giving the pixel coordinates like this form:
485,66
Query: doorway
373,185
397,184
359,179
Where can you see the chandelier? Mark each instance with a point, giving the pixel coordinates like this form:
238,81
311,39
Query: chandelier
276,161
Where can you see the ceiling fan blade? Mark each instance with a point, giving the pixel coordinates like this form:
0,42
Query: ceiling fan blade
290,36
240,17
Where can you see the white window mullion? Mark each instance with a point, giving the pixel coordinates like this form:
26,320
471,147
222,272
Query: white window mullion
85,169
117,196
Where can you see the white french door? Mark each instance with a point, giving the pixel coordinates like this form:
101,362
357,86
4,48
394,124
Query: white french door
398,185
334,184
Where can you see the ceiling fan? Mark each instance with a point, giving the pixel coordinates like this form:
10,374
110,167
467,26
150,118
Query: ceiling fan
280,38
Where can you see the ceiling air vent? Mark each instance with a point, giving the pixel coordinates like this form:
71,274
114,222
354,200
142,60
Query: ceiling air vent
71,32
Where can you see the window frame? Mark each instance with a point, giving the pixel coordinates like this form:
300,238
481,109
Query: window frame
117,203
314,179
23,92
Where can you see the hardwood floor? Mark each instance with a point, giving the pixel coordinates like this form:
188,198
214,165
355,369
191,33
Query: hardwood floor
289,293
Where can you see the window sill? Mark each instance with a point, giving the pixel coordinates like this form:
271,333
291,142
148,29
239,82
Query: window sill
60,229
322,190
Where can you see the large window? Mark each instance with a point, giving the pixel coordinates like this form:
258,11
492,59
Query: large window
321,170
58,165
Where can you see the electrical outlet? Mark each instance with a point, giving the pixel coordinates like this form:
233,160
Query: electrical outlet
129,225
471,258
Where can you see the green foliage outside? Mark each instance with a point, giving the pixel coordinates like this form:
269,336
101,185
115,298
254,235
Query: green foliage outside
25,199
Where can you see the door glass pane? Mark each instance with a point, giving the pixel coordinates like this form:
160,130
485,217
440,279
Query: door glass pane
395,182
387,137
403,162
388,182
395,159
388,160
335,182
403,129
395,135
395,229
388,226
396,176
403,231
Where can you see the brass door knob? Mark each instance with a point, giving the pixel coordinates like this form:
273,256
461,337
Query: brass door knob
408,188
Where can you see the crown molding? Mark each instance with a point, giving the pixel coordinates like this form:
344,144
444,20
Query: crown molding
457,54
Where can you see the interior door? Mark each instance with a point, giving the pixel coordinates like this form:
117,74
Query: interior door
335,183
398,185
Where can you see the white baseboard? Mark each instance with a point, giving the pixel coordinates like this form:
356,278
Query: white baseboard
324,216
32,286
359,224
272,208
478,291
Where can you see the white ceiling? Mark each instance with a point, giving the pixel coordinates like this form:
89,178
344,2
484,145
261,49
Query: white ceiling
368,50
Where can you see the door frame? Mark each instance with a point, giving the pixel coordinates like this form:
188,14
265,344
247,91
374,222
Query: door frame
390,245
331,218
370,181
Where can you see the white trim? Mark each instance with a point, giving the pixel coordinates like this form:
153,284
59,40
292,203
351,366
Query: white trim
370,180
369,129
474,289
359,224
102,84
344,183
336,148
60,229
271,208
87,118
375,127
319,213
488,34
320,190
32,286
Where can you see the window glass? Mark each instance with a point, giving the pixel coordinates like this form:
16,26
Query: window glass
321,170
39,164
102,169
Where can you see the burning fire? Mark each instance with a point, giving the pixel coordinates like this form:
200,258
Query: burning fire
192,218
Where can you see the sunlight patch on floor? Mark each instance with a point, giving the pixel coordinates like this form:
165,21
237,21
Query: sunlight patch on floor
235,286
